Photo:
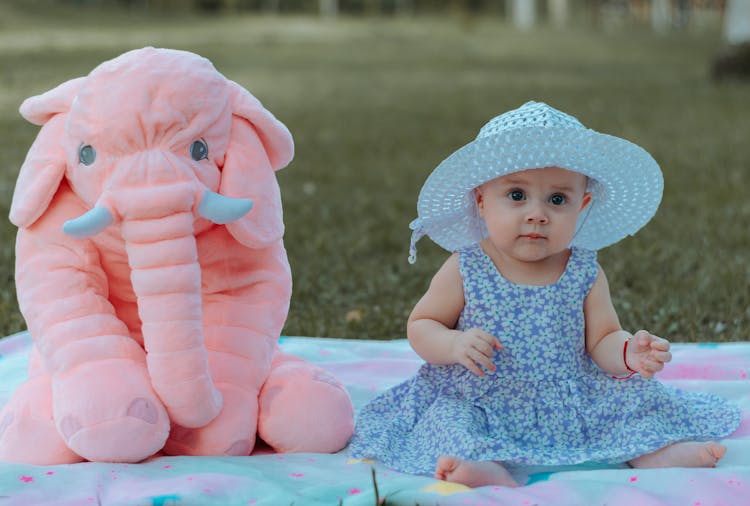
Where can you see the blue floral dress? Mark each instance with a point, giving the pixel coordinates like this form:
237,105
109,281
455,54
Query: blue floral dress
546,404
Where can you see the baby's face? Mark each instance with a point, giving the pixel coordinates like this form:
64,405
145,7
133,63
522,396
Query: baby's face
532,214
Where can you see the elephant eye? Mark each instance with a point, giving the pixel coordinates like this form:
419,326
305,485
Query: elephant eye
86,155
199,150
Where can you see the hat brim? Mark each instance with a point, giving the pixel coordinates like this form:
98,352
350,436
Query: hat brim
625,181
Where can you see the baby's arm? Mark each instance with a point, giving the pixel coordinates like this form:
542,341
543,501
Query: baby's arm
431,325
605,339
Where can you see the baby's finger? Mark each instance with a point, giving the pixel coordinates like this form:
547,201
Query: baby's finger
470,365
491,340
487,337
483,347
642,338
661,356
659,343
652,366
481,359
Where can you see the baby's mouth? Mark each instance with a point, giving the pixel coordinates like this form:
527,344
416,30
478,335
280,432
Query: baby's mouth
533,236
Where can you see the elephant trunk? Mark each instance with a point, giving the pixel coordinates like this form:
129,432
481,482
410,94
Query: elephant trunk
166,278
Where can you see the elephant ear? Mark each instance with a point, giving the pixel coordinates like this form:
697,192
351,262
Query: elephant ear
41,108
44,166
275,137
259,144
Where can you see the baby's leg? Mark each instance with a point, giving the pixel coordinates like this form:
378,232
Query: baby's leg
473,473
682,455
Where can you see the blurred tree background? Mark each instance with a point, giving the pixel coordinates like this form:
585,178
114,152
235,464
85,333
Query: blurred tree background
378,92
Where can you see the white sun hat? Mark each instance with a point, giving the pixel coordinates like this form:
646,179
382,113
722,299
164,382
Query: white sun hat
625,181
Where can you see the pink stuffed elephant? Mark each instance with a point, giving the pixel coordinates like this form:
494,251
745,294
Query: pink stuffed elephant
153,292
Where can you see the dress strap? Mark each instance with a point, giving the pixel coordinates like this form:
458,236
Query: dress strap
582,269
468,259
471,264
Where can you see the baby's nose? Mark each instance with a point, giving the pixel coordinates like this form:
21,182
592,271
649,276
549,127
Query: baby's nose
537,216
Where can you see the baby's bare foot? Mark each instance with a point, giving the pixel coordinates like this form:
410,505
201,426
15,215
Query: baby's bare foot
682,455
473,473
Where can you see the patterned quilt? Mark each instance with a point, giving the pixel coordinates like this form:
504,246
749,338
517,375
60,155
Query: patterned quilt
369,367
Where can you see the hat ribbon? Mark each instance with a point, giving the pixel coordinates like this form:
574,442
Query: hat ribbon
418,232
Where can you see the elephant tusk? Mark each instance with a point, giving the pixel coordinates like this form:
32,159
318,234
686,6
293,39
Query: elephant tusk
89,224
221,210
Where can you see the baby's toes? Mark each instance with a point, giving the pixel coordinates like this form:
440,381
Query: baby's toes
716,451
445,466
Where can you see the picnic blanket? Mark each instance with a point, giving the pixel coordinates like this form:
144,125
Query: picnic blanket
369,367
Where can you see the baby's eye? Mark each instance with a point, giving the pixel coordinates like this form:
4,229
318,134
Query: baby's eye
557,199
516,195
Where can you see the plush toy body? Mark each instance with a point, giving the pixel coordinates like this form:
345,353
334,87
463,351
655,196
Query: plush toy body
152,274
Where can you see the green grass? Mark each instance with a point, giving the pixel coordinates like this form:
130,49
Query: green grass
375,104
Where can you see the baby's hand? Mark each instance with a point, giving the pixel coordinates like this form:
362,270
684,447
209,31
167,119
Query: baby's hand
475,347
647,353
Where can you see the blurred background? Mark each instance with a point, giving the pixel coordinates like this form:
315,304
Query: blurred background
378,92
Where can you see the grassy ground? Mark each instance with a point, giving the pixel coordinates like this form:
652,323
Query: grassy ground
375,104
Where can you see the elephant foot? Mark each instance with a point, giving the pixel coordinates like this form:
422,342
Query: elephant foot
107,412
304,409
232,433
27,430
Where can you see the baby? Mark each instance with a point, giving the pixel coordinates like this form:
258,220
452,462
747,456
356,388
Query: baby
527,363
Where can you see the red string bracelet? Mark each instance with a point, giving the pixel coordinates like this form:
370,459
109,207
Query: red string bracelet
625,360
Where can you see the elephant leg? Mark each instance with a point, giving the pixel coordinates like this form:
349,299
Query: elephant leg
27,430
107,411
238,377
231,433
102,401
303,408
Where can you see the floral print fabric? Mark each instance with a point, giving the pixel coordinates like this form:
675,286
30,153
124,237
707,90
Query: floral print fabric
546,404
